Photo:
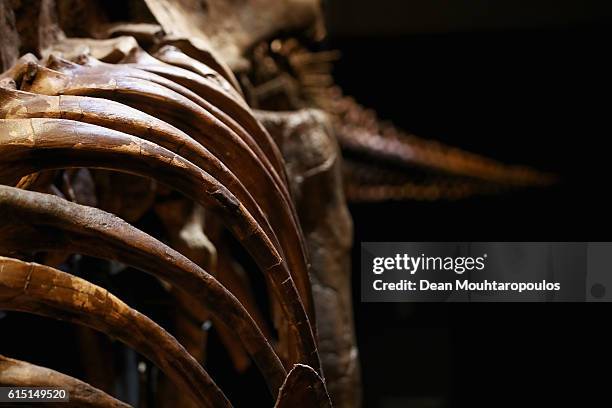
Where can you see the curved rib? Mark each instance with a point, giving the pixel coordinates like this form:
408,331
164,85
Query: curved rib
303,388
202,86
90,66
47,222
30,145
16,373
193,120
183,53
210,77
113,115
38,289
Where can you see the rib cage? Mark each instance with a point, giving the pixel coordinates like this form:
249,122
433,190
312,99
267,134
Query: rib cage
181,123
96,133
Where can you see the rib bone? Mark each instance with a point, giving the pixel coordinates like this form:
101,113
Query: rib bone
297,391
19,104
38,289
46,222
30,145
15,373
204,128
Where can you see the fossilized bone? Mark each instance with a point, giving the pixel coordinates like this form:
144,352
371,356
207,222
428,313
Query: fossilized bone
75,115
233,276
116,116
314,166
195,121
198,53
297,391
15,373
45,222
262,146
369,182
108,50
175,112
218,96
33,288
30,145
122,194
205,82
230,31
359,131
19,104
184,222
31,110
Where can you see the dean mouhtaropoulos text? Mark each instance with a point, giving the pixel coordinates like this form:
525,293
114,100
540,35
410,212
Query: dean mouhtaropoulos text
465,285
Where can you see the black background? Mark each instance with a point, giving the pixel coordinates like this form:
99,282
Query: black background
522,82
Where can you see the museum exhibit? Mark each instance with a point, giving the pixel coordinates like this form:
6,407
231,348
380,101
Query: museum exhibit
288,203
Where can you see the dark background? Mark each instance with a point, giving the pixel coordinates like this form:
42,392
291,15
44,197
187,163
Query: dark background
521,81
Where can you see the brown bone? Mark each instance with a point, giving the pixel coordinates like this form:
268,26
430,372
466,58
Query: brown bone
367,182
116,116
197,51
207,89
38,289
46,222
229,28
175,57
19,104
360,130
109,50
314,164
195,121
15,373
90,66
30,145
143,90
298,392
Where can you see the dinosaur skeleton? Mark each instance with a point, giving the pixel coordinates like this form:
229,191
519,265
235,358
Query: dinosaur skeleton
151,115
381,161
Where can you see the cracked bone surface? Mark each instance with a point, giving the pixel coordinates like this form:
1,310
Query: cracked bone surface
171,124
314,166
149,118
16,373
50,223
297,391
196,121
38,289
30,145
